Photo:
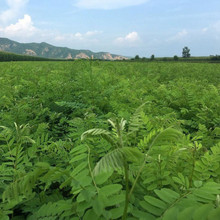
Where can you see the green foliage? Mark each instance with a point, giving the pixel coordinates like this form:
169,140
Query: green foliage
197,203
176,58
137,57
5,56
115,159
185,52
152,57
75,145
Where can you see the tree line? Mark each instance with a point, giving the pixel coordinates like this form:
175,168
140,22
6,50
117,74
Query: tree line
186,56
5,56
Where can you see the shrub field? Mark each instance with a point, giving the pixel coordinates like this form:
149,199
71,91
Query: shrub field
90,140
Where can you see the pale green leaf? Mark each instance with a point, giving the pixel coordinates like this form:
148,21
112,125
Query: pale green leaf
110,189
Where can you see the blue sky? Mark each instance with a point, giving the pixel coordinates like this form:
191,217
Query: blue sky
124,27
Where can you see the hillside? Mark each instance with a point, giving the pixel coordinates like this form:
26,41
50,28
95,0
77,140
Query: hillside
49,51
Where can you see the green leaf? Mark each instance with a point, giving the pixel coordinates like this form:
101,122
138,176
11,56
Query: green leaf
186,214
204,194
78,157
98,206
214,214
171,214
212,187
197,184
151,209
135,120
79,168
180,175
115,159
155,202
85,195
78,150
82,206
142,215
177,180
167,136
95,132
167,195
115,200
111,161
132,154
117,212
110,189
150,179
202,212
152,186
103,177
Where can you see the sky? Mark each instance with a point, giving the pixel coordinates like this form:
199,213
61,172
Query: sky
123,27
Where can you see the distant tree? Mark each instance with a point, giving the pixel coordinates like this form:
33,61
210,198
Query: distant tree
165,59
137,57
185,52
144,59
152,57
216,57
176,58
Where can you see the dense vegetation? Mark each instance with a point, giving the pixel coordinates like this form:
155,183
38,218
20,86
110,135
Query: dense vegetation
5,56
210,59
109,140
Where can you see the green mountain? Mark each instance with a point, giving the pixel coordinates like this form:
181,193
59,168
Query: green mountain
49,51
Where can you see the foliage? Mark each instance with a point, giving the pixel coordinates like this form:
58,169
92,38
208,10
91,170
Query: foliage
5,56
75,145
215,58
185,52
152,57
137,57
176,58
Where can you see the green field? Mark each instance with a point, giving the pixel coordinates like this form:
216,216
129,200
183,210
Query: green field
109,140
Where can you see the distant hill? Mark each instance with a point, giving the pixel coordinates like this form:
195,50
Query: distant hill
49,51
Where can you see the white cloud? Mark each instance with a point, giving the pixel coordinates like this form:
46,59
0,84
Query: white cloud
212,31
88,36
179,36
76,35
107,4
129,39
24,28
133,36
15,7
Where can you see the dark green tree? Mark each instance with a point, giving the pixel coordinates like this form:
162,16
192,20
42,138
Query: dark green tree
176,58
152,57
137,57
185,52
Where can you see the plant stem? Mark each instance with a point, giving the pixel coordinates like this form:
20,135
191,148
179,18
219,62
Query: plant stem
90,170
160,173
16,156
127,191
139,173
193,167
128,194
